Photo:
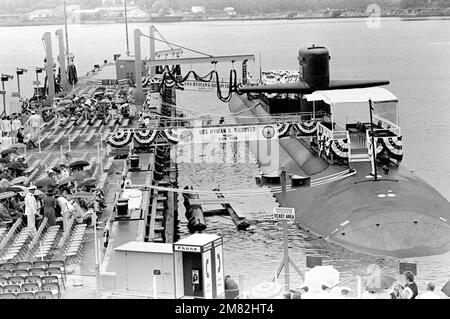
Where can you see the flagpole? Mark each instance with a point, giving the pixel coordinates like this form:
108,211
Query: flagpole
374,155
66,31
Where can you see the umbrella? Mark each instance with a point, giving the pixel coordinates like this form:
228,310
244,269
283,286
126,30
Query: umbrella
88,182
18,145
17,166
266,290
46,181
319,275
79,176
83,195
8,151
18,180
79,163
16,189
65,181
7,195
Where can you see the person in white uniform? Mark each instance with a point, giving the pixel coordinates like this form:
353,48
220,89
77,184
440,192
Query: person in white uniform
31,208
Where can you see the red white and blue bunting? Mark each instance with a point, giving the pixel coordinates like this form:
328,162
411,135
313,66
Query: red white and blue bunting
391,145
171,135
283,130
145,136
306,128
339,148
120,139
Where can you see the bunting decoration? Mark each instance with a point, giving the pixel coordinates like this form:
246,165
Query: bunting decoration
145,136
283,130
120,138
306,128
171,135
391,145
339,148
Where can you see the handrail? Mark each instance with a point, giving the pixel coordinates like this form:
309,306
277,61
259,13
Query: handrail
10,233
38,234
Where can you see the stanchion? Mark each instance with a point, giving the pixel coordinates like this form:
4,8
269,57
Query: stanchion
97,265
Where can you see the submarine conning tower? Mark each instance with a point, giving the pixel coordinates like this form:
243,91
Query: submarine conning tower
315,66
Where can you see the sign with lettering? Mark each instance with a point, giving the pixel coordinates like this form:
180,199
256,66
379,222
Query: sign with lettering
156,272
15,94
2,92
221,134
284,213
36,82
188,248
204,86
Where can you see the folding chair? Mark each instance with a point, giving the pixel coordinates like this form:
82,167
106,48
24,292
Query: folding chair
7,266
3,281
30,287
55,271
43,294
20,272
24,265
49,279
53,287
59,263
8,295
33,280
40,264
16,280
12,288
25,295
5,273
37,271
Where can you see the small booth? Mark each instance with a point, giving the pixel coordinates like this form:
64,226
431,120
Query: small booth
143,266
199,267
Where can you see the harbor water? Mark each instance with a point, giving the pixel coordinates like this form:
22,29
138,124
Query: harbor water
413,55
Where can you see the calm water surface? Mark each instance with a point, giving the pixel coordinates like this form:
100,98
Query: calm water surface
413,55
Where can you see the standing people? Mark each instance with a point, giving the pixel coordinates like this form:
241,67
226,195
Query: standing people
50,204
410,291
66,209
31,208
429,294
35,125
15,125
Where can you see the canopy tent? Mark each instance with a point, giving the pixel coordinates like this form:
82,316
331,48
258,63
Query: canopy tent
376,94
350,106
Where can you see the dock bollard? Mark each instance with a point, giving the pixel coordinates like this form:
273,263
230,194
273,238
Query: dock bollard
231,288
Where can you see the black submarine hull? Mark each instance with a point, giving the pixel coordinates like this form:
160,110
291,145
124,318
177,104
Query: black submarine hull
400,215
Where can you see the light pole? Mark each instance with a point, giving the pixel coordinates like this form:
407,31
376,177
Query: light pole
5,78
20,71
126,27
38,70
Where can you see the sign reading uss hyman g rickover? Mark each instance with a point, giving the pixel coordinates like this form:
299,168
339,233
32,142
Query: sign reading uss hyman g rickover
220,134
286,213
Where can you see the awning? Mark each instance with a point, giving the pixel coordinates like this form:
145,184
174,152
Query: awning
376,94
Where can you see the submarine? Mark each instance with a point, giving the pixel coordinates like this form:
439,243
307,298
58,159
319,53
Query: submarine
340,146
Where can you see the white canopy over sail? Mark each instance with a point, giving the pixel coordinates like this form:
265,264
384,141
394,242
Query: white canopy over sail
376,94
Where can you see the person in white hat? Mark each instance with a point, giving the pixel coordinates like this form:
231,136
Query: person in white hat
31,208
34,122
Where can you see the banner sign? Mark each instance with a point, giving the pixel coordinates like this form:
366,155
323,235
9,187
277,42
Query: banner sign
221,134
284,213
204,86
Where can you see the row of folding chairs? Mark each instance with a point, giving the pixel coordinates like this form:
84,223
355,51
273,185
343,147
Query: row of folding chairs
18,247
19,275
52,287
33,264
41,294
73,248
45,247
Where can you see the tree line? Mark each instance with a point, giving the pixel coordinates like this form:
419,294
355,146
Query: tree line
243,7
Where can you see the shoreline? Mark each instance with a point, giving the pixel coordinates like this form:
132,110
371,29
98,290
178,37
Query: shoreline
91,22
